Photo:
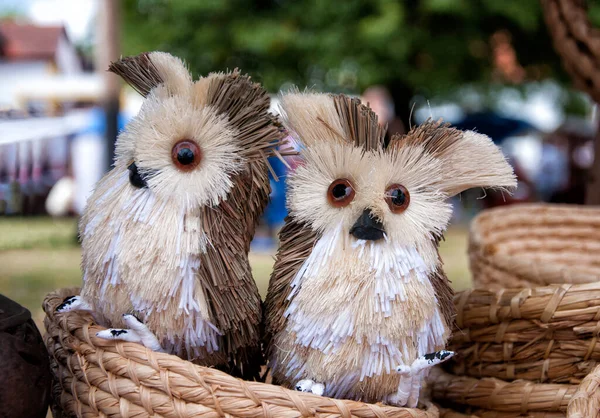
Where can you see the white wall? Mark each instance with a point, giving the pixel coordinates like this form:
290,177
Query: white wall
66,57
14,73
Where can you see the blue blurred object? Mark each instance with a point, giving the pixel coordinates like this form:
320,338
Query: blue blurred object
493,125
98,122
276,210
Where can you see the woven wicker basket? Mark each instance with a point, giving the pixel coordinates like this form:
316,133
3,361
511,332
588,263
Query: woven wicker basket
541,341
547,335
532,245
100,378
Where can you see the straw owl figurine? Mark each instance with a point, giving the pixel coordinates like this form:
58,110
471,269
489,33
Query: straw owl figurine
167,231
358,304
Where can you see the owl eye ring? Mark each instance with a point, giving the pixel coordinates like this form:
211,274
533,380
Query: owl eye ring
186,155
397,198
340,193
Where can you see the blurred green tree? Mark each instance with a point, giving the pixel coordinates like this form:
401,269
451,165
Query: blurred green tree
426,47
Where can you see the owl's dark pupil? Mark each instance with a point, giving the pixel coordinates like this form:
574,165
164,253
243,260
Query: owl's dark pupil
398,197
339,191
185,156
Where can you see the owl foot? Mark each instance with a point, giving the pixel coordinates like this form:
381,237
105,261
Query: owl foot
425,362
73,303
397,399
308,385
137,333
413,376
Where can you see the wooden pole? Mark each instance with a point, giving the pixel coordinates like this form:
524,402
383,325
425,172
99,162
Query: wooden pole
592,192
108,47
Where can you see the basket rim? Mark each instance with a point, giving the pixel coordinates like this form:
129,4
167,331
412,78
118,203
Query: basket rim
527,269
73,334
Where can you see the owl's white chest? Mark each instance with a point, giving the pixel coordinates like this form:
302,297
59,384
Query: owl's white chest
143,255
361,309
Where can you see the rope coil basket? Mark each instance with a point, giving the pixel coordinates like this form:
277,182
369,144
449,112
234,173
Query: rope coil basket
542,342
532,350
532,245
101,378
547,334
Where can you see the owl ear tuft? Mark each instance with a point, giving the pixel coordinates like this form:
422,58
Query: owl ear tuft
473,160
468,159
246,106
148,70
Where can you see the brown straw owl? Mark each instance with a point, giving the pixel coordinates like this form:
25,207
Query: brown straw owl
166,233
358,304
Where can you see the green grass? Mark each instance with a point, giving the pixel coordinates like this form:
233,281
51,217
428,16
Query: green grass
38,255
28,233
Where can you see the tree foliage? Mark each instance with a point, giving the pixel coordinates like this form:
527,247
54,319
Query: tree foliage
412,46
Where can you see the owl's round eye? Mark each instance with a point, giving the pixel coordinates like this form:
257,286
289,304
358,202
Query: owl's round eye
186,155
340,193
397,198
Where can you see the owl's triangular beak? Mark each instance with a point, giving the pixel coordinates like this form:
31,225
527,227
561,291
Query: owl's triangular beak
367,227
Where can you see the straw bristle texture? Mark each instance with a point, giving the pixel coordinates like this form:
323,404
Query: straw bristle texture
545,334
535,245
360,123
541,341
296,242
586,401
138,71
519,398
246,104
175,252
101,378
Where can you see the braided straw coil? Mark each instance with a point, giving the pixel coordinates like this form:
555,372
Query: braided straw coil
100,378
532,245
576,41
546,334
586,401
502,399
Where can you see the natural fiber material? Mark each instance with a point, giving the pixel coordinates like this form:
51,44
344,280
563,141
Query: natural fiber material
545,334
576,41
535,245
586,401
343,309
100,378
484,413
165,236
520,397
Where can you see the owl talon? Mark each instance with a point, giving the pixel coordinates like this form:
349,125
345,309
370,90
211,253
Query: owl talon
318,389
308,385
432,359
304,385
137,333
425,362
397,399
73,303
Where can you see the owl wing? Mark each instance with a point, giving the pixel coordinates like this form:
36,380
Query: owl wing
296,243
445,295
443,290
225,272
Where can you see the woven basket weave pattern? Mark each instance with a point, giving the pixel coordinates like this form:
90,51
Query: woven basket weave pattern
546,334
535,245
527,338
100,378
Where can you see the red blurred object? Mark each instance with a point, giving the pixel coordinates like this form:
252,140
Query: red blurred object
27,41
